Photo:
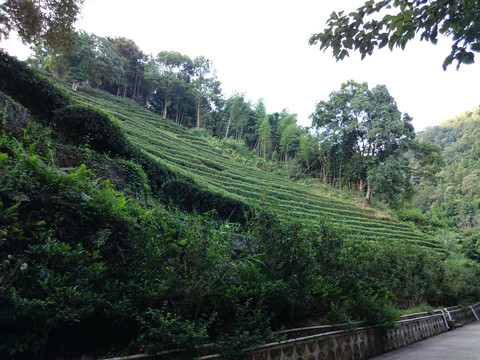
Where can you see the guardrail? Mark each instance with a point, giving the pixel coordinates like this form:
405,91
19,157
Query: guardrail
342,342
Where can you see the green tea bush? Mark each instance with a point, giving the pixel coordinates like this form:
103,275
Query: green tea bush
163,330
29,88
81,124
189,196
136,178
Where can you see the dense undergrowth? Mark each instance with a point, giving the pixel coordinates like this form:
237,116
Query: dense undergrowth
95,259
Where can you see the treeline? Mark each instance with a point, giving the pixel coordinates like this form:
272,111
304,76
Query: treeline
171,84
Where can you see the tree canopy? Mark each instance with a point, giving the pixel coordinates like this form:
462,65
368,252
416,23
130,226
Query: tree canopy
377,24
367,140
40,22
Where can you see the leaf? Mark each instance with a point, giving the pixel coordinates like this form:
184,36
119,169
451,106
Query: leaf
3,158
448,60
468,58
475,47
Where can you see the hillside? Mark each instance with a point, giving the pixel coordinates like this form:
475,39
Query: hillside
193,158
106,250
455,191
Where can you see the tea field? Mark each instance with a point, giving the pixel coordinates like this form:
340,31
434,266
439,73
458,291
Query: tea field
194,158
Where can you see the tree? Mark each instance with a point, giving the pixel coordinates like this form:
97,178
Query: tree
238,111
308,148
264,136
41,22
369,135
290,135
171,66
93,59
205,82
377,24
133,66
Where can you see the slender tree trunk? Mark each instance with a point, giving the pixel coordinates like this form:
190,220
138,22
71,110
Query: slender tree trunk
125,90
228,126
135,87
361,185
165,105
199,102
368,197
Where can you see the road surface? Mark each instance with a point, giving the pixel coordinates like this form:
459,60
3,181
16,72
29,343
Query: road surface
459,344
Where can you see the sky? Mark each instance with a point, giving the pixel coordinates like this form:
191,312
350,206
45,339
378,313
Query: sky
260,48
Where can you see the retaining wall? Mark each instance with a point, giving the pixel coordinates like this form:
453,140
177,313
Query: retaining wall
336,342
362,343
463,316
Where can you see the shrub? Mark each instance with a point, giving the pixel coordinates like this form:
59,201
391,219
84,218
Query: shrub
162,330
189,196
81,124
26,86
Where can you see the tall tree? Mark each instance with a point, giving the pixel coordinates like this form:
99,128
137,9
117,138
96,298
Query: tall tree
93,59
368,130
238,112
172,68
41,21
133,66
264,133
290,136
377,24
308,148
205,83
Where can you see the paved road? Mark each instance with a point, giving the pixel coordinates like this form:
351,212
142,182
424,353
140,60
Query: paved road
460,344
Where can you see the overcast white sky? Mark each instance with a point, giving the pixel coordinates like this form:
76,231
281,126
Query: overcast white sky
260,48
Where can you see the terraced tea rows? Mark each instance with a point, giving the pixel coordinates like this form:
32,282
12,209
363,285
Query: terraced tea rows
192,157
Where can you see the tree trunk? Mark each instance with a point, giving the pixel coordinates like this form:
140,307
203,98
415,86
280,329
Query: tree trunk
135,86
199,102
368,197
165,105
361,185
228,126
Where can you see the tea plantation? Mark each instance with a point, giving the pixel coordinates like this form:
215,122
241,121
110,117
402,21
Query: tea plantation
196,160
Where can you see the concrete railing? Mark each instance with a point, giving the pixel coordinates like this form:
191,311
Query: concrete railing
461,316
362,343
341,342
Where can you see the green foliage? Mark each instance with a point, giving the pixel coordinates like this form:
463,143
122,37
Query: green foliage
170,152
367,142
189,196
162,330
461,283
452,197
41,22
12,112
65,233
81,124
29,88
96,259
136,178
395,23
